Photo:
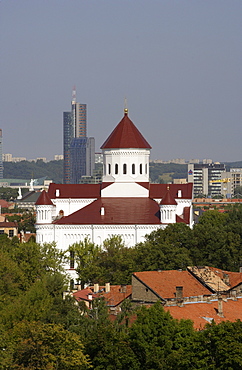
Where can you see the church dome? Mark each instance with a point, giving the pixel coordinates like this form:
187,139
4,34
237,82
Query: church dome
125,135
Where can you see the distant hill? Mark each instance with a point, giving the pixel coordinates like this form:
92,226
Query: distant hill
159,172
29,170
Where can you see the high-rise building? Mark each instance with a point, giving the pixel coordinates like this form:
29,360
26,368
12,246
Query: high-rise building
78,150
206,178
1,155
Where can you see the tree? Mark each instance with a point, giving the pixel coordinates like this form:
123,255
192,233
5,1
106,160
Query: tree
85,255
46,346
164,249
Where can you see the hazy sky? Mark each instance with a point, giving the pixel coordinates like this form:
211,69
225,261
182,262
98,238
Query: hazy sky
178,62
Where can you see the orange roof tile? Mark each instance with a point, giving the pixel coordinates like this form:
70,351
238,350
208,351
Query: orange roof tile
203,313
164,283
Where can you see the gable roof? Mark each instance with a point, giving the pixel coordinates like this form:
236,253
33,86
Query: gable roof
116,211
216,279
125,135
158,191
44,199
164,283
74,191
203,313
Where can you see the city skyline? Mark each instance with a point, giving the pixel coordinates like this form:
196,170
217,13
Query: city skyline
177,63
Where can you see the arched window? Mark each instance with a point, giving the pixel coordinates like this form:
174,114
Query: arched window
116,168
125,169
109,168
133,169
146,169
140,168
72,259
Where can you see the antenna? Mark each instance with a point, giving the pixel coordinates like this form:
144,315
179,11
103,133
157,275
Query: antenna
74,94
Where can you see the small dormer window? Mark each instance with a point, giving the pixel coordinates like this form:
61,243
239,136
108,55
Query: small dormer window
179,193
57,192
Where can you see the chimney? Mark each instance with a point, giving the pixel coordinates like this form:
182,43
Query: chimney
89,296
107,287
102,211
220,306
57,192
179,292
96,288
179,194
123,288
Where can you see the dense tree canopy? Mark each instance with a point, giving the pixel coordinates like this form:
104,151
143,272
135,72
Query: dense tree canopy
41,330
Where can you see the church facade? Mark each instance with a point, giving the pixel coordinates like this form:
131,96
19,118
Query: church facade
124,204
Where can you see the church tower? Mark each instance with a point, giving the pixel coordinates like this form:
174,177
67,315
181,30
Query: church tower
126,156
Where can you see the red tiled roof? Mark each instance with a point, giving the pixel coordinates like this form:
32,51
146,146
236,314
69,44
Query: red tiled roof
74,191
44,199
168,199
116,211
159,190
114,297
235,278
4,203
8,224
125,135
202,313
164,283
83,294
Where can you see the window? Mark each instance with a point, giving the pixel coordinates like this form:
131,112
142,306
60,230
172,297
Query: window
140,168
146,169
125,169
133,169
116,168
11,233
109,168
72,259
1,231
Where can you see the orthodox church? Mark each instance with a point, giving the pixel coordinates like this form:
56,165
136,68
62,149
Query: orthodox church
124,204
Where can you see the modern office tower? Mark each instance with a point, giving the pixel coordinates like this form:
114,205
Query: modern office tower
77,158
82,151
206,178
68,134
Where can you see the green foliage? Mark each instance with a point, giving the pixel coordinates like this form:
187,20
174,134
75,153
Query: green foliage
8,194
173,170
46,346
26,221
53,170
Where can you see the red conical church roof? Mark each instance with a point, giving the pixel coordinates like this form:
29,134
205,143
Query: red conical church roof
44,200
168,199
125,135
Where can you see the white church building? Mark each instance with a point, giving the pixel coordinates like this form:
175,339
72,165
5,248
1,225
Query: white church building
124,204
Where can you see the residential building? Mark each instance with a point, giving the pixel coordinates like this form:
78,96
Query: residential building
201,294
206,178
230,181
124,204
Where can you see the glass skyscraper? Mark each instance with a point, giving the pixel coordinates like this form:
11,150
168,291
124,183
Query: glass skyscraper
79,151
